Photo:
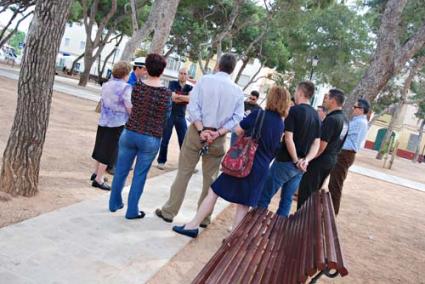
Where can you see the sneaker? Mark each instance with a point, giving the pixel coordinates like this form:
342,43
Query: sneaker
161,166
102,186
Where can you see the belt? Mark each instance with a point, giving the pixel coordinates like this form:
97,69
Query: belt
210,128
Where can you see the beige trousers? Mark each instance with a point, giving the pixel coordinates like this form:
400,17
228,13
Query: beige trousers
188,159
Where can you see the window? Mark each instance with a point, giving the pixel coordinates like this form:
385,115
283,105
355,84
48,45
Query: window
413,142
243,80
192,70
77,67
82,44
61,62
67,41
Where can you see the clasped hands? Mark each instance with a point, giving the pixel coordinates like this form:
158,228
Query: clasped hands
209,136
302,164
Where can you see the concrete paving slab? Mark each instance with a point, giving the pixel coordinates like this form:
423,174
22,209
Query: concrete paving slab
388,178
85,243
64,85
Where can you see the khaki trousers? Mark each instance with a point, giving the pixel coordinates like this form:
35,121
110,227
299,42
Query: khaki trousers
188,159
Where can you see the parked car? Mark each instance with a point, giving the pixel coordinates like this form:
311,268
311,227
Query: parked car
8,54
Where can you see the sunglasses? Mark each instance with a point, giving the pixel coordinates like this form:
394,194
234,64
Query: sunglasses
357,107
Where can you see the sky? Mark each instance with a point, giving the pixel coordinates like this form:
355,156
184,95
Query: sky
4,19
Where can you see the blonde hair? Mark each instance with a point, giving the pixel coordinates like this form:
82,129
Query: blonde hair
278,100
121,69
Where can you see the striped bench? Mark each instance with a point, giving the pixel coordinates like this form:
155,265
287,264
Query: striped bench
267,248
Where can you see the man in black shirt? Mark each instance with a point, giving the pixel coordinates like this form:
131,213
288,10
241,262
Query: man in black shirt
177,118
251,103
333,134
249,106
299,146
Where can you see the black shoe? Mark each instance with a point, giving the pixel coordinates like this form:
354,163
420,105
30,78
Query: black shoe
203,226
182,231
159,214
120,207
140,216
102,186
93,177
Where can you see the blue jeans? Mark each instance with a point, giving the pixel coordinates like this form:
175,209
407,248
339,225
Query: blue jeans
181,127
285,175
132,145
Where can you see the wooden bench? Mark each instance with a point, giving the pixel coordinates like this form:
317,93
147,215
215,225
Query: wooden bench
267,248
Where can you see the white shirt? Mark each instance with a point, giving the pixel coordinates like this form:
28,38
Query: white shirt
216,101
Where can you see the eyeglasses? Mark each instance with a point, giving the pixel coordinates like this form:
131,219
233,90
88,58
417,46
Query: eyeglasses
357,107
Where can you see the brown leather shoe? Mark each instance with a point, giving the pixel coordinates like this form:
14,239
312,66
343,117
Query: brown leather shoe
158,213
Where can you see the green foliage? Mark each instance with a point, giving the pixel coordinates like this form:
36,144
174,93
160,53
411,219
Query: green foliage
336,34
418,87
121,21
17,38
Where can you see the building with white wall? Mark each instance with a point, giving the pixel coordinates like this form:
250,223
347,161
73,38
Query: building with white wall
73,45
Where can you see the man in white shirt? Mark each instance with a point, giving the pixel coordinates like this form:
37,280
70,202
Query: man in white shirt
215,107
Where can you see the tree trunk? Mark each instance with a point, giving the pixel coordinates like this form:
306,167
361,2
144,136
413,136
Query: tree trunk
163,26
160,19
387,137
244,64
134,23
88,63
418,146
100,40
252,80
21,158
71,71
390,57
15,29
102,69
413,70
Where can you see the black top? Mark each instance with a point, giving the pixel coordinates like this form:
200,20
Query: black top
334,131
303,121
179,109
250,108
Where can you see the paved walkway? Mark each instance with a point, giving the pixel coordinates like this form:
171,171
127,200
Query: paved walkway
85,243
388,178
62,84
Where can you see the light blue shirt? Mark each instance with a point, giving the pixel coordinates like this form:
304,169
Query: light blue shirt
356,133
216,101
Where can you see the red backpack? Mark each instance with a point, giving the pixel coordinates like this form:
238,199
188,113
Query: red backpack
239,159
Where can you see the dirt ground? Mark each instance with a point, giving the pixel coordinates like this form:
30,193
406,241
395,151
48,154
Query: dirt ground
380,224
66,163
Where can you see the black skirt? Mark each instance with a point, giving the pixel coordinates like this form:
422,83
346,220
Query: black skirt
106,145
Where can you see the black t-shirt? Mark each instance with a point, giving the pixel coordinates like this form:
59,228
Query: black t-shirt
303,121
250,108
334,130
179,109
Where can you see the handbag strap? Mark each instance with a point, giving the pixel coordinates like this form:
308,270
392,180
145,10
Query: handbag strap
259,120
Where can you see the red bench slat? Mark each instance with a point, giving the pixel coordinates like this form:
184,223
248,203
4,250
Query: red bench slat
266,248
